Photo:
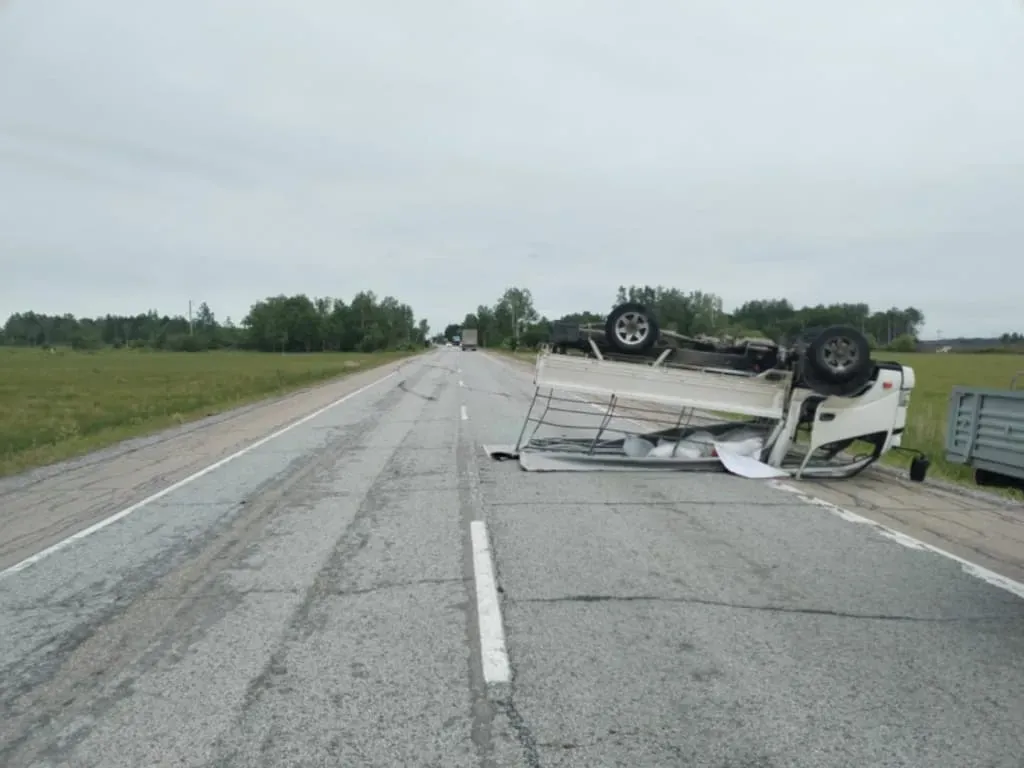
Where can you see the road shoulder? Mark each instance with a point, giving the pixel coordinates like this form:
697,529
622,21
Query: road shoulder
44,506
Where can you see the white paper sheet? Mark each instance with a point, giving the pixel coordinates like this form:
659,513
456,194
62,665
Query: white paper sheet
746,466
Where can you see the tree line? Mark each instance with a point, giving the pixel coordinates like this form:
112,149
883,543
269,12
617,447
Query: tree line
513,321
274,324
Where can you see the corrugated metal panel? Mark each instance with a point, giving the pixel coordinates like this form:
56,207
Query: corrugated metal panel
986,426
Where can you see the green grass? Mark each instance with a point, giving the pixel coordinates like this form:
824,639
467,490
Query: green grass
58,405
936,376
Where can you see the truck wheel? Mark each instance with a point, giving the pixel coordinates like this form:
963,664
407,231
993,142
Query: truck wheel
808,377
631,329
837,362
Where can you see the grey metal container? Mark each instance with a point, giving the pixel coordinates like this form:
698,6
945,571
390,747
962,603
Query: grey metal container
985,429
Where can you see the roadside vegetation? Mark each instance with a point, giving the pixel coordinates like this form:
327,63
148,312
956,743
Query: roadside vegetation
69,386
937,375
894,334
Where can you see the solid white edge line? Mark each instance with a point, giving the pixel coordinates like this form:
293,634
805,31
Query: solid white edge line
99,526
971,569
493,654
463,412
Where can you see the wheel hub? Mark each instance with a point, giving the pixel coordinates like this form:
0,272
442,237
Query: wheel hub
632,328
840,354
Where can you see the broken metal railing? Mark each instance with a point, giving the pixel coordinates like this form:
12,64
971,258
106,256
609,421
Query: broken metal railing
605,422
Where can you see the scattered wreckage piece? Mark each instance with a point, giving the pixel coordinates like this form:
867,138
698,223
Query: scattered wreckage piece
757,423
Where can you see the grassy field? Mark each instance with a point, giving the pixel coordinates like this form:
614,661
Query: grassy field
929,404
936,376
58,405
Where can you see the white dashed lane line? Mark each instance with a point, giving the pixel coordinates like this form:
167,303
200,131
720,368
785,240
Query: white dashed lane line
493,653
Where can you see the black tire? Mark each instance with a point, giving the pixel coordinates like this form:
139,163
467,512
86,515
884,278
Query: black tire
631,329
807,376
839,354
837,362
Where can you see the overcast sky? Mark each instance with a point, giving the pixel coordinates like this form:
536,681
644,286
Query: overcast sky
226,150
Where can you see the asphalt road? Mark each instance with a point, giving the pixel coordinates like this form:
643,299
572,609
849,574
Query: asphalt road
321,598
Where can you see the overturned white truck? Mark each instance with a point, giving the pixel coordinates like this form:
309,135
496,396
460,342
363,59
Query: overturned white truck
641,398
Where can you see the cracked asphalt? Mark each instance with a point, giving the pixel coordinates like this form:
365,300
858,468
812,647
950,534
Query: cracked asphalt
312,603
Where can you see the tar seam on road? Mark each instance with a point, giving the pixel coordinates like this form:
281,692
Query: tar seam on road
971,569
493,653
462,410
98,526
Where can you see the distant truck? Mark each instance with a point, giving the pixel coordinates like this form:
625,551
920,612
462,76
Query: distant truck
470,338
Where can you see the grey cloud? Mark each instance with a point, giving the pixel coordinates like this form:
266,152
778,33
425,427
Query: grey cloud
226,150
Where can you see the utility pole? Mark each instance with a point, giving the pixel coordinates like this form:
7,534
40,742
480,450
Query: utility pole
190,326
515,328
